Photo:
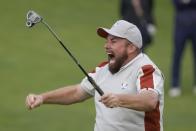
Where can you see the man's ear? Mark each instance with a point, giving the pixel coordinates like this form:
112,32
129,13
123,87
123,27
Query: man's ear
131,49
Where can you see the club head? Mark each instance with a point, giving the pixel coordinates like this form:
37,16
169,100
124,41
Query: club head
32,18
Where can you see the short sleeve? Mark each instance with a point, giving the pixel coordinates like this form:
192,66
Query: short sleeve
86,85
150,78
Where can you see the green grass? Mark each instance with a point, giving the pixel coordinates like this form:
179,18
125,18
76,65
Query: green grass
32,61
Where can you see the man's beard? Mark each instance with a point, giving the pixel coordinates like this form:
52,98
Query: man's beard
119,61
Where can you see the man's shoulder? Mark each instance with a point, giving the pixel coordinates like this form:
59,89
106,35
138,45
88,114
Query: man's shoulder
103,63
100,66
145,61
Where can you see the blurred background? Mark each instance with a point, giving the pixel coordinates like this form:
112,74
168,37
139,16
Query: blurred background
31,61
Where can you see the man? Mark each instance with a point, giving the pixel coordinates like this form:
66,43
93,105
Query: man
132,85
140,12
185,29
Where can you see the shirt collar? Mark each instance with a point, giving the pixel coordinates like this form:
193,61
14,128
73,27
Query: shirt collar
132,61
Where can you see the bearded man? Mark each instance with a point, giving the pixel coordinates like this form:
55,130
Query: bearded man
131,82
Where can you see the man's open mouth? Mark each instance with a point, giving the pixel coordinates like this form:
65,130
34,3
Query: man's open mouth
111,57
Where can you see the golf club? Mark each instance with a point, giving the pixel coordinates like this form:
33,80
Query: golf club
33,18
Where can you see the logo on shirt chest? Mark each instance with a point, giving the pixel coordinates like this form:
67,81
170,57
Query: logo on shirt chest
124,85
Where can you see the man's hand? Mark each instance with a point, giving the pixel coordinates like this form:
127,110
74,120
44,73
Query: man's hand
33,101
110,100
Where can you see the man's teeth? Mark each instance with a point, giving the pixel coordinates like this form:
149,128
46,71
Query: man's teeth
110,54
111,61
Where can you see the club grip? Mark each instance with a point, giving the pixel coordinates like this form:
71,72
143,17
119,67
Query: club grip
97,88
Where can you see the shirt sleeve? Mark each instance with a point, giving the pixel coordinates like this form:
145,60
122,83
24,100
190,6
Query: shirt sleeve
150,78
86,85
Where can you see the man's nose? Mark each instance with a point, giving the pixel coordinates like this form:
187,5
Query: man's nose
107,45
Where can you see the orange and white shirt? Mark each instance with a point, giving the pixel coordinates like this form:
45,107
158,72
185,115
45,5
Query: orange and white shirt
138,75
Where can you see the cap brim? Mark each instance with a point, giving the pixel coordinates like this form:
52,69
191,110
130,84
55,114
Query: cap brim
104,32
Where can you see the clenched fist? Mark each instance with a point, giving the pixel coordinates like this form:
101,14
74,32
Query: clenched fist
110,100
33,101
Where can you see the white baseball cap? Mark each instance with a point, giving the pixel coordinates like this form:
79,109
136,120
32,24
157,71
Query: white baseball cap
123,29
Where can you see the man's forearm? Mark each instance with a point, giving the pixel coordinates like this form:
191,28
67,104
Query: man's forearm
65,95
145,101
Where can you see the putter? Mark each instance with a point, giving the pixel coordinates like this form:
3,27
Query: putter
33,18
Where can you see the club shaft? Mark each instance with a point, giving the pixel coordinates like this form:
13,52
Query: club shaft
90,79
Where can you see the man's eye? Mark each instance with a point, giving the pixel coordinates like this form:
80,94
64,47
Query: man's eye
113,41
